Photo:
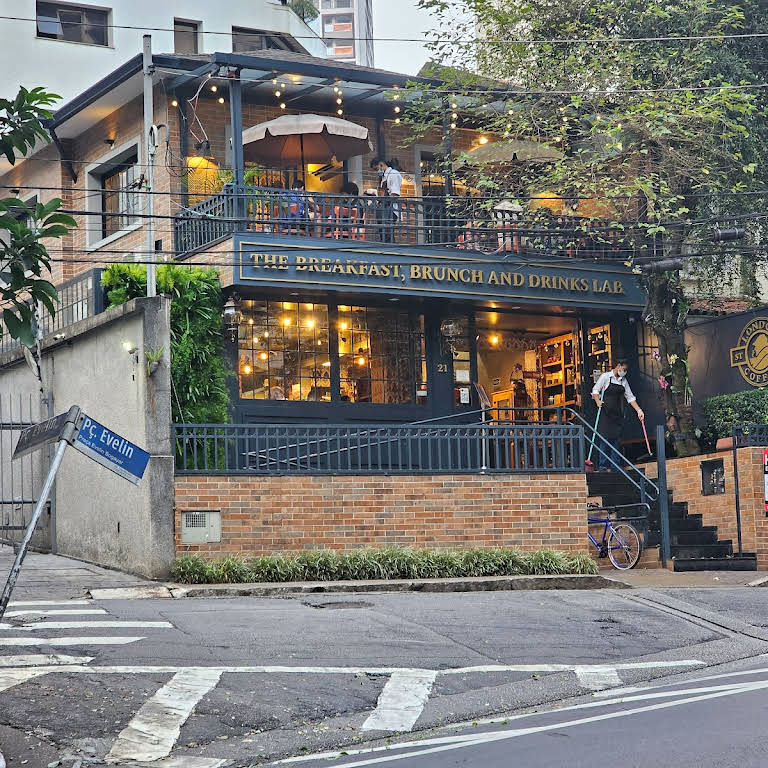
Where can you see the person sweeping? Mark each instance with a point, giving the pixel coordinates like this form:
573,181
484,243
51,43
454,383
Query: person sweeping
610,392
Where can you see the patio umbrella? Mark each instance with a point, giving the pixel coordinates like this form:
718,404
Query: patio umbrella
292,139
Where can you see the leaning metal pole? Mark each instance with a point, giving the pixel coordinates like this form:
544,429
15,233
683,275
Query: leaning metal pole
67,436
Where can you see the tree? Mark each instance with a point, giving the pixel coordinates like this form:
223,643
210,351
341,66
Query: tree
23,256
658,136
304,9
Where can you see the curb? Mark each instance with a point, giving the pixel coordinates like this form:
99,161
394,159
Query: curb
485,584
761,582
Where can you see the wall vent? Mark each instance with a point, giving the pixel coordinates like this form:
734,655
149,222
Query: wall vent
200,527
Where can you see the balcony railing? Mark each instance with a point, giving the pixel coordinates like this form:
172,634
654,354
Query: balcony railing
79,298
458,222
309,449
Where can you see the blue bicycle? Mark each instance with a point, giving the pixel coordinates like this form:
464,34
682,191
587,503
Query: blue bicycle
620,542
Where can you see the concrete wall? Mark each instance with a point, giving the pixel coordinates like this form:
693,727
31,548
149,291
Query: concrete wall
262,515
68,68
99,516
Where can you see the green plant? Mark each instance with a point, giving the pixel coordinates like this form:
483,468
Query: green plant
152,358
724,412
190,569
385,563
304,9
199,371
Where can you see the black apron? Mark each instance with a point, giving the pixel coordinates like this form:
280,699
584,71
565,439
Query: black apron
612,415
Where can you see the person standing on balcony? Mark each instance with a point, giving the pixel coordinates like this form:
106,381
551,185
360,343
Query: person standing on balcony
610,392
391,183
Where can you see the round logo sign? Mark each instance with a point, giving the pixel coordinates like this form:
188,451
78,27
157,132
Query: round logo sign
751,354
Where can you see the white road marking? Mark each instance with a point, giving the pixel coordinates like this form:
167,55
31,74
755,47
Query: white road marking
117,624
40,660
17,603
515,733
64,641
155,728
597,678
11,677
55,612
401,701
188,761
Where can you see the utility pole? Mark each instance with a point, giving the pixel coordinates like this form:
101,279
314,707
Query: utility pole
150,147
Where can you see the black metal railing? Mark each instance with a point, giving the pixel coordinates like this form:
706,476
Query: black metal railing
460,222
302,449
751,436
79,298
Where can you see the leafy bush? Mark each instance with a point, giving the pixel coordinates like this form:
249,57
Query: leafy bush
386,563
724,412
199,371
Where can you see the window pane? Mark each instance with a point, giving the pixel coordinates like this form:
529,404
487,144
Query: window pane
72,23
120,196
381,356
244,40
184,37
284,351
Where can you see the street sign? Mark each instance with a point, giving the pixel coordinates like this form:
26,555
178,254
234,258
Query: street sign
111,450
40,434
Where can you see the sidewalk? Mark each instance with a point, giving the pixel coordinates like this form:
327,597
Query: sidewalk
643,578
52,577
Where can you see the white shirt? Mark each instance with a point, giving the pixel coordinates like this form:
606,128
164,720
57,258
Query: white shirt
394,181
609,378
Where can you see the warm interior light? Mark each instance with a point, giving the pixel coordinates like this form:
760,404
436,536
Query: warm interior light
483,139
247,369
250,321
361,361
343,326
310,323
266,334
263,356
286,321
494,340
327,364
214,88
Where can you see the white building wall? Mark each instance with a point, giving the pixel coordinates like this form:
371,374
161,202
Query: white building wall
362,28
68,68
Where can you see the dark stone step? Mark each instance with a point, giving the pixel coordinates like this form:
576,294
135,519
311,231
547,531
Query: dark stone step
693,538
721,549
745,562
691,523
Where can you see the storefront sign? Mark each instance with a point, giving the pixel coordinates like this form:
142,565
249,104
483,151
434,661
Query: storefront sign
750,355
425,272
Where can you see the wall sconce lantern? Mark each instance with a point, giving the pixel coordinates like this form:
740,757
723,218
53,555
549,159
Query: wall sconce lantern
232,316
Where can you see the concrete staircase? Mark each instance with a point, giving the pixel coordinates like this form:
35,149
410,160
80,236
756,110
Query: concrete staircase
693,546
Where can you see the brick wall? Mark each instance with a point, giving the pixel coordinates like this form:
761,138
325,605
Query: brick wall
262,515
684,480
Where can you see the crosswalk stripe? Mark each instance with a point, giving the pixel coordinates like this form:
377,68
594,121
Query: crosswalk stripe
64,641
18,603
55,612
155,728
401,701
42,659
117,624
11,677
597,678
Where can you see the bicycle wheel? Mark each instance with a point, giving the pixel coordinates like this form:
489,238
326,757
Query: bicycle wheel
624,546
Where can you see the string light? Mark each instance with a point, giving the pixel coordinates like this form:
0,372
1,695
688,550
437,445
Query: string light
397,109
455,115
221,99
214,88
453,125
397,120
483,139
339,111
174,103
282,105
338,101
277,94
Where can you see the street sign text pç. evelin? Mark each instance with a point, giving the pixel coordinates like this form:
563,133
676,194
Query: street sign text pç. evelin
111,450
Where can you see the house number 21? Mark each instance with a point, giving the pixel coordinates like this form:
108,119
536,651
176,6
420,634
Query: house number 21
442,367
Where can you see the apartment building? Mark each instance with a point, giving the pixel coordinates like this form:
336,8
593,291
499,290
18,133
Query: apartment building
66,46
347,29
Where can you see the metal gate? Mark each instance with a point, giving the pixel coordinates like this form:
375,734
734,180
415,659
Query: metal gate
21,480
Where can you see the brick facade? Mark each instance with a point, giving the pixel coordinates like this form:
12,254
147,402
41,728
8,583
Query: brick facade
684,480
263,515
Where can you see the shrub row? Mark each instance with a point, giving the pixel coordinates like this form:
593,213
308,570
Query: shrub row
389,563
724,412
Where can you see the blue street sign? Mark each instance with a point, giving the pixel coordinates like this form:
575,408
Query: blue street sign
111,450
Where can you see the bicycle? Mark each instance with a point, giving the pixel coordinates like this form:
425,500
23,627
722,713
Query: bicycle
620,543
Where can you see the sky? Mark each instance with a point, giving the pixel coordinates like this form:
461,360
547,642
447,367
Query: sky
399,18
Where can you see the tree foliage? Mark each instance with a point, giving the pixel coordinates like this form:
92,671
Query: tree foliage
199,372
662,138
23,228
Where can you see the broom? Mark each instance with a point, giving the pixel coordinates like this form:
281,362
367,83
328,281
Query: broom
589,465
649,455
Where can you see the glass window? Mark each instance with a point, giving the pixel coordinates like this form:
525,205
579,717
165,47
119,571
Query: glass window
381,356
244,40
283,351
73,23
184,36
120,196
648,351
330,5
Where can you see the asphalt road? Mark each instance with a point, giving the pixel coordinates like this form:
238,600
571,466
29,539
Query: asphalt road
711,721
247,681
